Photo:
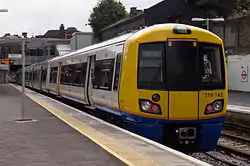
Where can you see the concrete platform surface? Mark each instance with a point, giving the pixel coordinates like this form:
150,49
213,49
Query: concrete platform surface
46,142
239,98
128,147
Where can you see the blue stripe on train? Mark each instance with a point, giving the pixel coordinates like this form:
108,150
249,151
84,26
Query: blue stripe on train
76,100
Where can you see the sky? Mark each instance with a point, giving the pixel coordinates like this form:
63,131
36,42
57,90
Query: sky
38,16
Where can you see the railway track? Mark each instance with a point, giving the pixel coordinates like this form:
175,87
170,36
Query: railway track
220,159
233,126
233,148
226,155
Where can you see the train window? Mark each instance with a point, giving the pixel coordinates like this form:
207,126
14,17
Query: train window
36,74
74,74
63,76
182,65
78,76
33,74
66,74
44,74
151,66
103,74
211,66
53,75
117,71
26,74
29,76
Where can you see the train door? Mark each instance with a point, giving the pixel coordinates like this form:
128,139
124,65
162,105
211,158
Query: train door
90,76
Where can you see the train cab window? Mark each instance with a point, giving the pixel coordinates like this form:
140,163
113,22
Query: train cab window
182,62
103,74
53,75
211,66
117,71
151,66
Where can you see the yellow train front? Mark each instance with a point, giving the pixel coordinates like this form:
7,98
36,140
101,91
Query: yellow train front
173,86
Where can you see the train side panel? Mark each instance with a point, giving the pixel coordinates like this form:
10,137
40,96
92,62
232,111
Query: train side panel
105,87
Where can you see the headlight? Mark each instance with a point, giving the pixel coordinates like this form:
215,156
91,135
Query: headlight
215,107
149,107
218,105
145,105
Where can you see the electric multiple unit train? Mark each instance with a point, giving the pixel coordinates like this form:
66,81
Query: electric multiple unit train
167,82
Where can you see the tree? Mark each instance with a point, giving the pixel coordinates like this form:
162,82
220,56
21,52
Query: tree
223,8
105,13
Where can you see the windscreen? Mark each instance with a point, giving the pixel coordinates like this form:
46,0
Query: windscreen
211,66
151,66
181,66
182,62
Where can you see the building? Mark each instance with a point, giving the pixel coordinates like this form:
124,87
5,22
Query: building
134,21
39,49
167,11
53,43
80,40
60,33
36,49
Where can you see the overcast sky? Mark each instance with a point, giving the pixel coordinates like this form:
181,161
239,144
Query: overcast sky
38,16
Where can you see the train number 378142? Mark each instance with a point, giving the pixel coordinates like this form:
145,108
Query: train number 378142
213,94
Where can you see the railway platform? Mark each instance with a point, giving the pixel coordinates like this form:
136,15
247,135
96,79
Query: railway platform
238,109
239,102
61,135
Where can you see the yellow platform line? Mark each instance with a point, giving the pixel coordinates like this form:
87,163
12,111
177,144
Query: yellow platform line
122,152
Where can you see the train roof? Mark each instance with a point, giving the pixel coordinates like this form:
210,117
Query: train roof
170,27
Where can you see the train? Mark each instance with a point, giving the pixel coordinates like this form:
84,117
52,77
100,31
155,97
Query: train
166,82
